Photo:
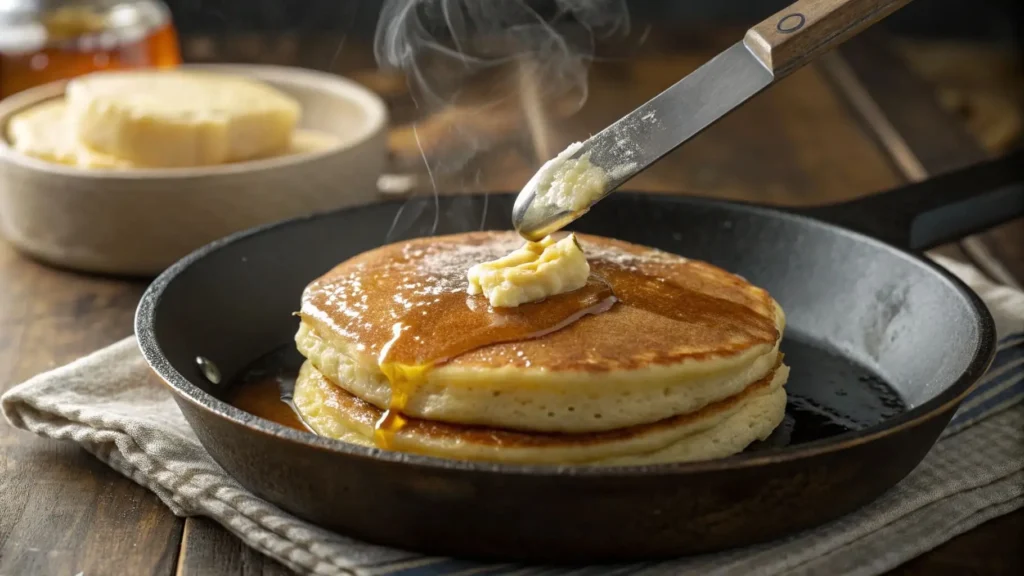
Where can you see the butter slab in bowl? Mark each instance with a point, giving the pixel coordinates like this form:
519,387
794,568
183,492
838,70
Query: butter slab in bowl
139,208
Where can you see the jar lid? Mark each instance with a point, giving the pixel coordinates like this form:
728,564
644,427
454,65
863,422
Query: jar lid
27,25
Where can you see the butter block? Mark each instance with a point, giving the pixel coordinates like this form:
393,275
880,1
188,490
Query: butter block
180,118
43,132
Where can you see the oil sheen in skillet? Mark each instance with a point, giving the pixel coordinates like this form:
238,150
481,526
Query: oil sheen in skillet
827,394
411,309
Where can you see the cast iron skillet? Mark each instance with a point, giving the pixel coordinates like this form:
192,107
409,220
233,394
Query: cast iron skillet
861,311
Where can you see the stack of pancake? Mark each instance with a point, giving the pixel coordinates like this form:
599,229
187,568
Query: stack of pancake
658,359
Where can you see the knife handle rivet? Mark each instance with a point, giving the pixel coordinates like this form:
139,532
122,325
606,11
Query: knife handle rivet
791,23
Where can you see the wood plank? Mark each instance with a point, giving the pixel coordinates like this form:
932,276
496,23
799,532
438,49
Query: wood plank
795,144
61,510
210,549
925,139
992,549
979,83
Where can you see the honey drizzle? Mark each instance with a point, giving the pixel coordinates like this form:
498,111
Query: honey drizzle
407,358
659,296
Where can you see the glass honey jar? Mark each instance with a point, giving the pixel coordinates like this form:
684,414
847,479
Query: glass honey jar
46,40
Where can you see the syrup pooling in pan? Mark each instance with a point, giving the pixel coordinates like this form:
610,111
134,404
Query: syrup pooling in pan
265,389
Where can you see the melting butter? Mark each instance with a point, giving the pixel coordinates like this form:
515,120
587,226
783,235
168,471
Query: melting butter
569,184
531,273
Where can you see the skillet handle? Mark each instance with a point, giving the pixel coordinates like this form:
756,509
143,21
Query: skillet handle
938,210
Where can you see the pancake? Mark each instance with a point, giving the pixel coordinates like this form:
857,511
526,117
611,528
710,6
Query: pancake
652,336
720,429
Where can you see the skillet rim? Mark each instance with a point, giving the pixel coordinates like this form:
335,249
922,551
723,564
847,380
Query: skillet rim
952,395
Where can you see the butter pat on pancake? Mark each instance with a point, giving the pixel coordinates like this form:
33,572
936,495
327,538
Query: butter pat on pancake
718,430
531,273
680,335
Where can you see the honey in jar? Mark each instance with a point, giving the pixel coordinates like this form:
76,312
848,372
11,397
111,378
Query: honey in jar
46,40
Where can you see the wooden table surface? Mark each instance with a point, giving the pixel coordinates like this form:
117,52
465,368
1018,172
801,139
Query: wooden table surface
855,123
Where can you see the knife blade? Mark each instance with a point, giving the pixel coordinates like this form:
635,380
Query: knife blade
767,53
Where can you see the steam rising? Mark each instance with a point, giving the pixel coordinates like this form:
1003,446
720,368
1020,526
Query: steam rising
442,44
500,68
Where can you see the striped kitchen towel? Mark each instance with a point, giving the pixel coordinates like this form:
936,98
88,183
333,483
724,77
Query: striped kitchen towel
107,403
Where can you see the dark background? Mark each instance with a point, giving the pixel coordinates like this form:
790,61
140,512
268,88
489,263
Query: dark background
997,20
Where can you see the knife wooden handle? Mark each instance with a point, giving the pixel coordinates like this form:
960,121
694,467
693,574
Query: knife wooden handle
799,33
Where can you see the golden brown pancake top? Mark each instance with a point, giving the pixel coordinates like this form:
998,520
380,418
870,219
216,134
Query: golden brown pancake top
408,303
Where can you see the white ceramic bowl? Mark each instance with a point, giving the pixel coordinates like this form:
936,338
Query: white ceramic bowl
137,222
